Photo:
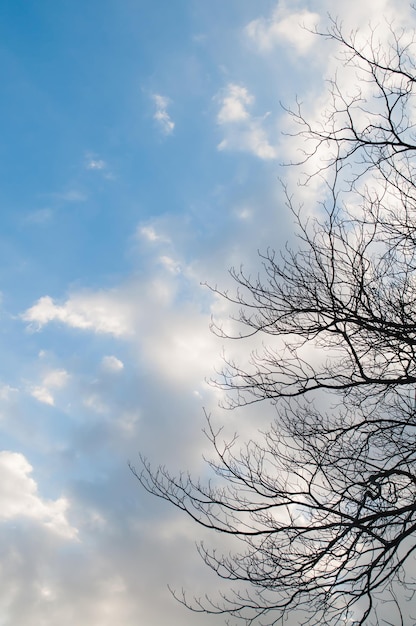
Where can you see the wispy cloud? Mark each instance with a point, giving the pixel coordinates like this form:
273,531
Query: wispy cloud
161,115
95,164
112,364
53,379
243,132
150,234
72,195
170,264
39,216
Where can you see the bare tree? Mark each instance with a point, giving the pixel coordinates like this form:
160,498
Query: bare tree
322,506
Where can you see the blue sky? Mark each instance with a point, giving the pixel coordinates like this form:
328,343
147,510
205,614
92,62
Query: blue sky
141,146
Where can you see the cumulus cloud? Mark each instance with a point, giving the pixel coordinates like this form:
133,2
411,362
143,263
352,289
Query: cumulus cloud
101,312
243,132
19,497
284,26
161,115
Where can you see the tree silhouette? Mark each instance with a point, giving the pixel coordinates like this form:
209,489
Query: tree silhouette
321,508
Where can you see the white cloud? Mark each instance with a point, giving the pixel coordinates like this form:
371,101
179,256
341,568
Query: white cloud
253,140
161,317
101,312
243,132
112,364
6,391
176,341
161,114
170,264
94,402
233,104
149,233
54,379
95,164
43,395
282,28
244,213
19,496
127,421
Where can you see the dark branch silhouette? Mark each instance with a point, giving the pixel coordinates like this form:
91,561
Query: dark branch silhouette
321,509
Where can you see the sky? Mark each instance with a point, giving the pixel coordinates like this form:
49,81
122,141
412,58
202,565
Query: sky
142,145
